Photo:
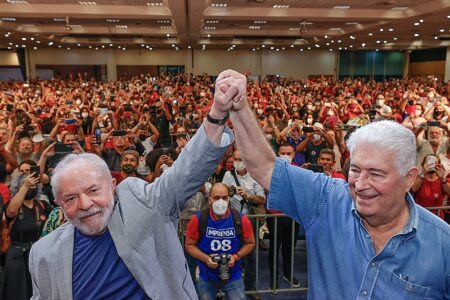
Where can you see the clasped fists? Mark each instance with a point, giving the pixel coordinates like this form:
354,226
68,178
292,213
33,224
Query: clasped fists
230,94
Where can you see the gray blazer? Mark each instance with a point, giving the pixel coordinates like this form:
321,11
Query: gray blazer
143,227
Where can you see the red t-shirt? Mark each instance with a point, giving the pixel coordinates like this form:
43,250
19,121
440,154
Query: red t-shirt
4,190
431,194
338,175
193,233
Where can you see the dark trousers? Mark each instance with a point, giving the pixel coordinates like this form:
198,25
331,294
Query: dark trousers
284,241
17,281
250,263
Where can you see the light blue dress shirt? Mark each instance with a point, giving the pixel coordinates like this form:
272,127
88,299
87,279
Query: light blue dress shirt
342,263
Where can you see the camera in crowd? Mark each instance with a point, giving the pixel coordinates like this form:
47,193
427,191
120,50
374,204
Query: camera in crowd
232,191
223,260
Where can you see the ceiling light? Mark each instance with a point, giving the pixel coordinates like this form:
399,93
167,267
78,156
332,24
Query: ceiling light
309,48
377,50
68,48
10,44
301,49
166,27
351,23
339,41
254,27
421,20
441,30
59,19
271,48
50,43
168,35
416,34
335,29
292,46
208,36
210,28
280,6
90,47
352,37
342,7
163,21
363,44
78,44
111,45
87,3
8,19
395,38
59,46
24,46
38,42
34,48
381,29
9,48
378,42
391,29
155,4
400,8
416,24
76,26
328,44
260,22
370,34
436,38
222,5
294,28
189,47
17,2
121,26
212,21
112,20
317,45
24,39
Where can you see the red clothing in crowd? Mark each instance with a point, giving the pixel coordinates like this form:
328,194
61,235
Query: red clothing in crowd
431,194
4,191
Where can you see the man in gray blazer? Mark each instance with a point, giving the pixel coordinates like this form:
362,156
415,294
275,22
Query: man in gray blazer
121,242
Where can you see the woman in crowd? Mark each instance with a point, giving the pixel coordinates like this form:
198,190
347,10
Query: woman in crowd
25,216
431,187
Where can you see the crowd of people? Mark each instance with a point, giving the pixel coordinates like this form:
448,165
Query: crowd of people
141,127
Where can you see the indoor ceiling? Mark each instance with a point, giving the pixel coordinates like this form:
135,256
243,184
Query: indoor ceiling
225,24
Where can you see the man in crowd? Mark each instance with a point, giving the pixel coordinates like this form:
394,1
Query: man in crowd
249,196
433,143
121,242
390,233
327,160
220,237
286,235
315,141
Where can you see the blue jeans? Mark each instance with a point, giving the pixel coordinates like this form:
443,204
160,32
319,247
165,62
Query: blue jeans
233,290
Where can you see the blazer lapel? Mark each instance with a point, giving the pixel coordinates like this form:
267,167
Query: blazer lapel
63,263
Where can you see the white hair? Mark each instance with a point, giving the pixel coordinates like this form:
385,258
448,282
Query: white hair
70,160
387,136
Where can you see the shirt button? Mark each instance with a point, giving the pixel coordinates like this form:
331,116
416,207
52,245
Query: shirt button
373,264
365,293
367,236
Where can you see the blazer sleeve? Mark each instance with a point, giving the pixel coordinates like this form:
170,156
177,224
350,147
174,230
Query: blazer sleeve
178,184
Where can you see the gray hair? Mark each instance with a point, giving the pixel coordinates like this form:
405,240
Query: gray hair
391,137
70,160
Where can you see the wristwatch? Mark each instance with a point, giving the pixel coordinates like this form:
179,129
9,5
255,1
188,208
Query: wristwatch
219,122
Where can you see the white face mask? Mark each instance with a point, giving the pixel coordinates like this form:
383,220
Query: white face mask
84,114
316,137
309,121
78,102
260,111
268,136
379,102
287,158
239,165
220,207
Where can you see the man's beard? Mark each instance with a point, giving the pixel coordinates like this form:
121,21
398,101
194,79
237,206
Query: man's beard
97,226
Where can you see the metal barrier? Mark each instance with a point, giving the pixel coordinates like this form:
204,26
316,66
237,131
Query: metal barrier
183,223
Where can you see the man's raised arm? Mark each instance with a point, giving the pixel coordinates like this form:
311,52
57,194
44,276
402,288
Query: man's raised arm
256,153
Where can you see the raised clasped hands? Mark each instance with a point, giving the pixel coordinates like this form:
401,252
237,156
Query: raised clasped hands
230,94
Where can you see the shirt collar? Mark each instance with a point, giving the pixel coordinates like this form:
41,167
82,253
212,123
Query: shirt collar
413,220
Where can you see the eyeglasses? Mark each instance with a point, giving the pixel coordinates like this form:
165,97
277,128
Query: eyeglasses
217,198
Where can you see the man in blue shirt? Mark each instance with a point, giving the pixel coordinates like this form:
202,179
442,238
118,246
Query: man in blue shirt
366,239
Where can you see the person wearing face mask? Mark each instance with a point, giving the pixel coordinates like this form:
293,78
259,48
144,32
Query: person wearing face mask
315,141
25,217
129,162
283,232
219,230
248,199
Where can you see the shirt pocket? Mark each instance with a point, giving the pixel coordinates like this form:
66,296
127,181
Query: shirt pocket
398,288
